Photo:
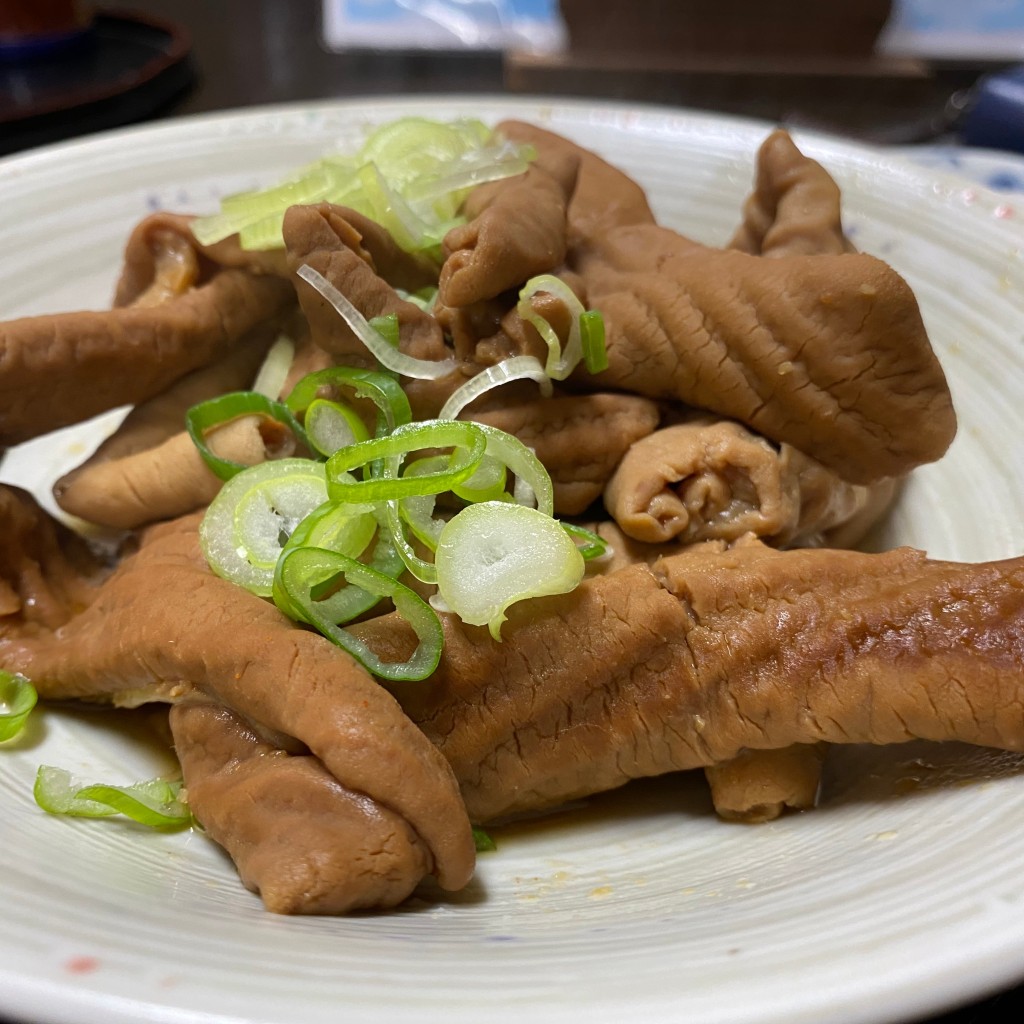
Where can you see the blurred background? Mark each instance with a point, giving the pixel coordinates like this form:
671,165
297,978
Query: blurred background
886,71
944,75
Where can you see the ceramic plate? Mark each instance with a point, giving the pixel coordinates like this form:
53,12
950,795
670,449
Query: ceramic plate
902,893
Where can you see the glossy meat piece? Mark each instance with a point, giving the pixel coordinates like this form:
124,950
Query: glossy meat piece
825,353
170,479
162,258
795,206
759,785
604,196
47,573
321,236
709,654
164,628
149,469
63,368
516,229
299,838
707,479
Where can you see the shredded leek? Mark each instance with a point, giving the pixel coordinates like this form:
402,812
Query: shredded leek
494,554
411,175
274,370
386,354
387,327
154,803
17,699
513,368
559,363
595,354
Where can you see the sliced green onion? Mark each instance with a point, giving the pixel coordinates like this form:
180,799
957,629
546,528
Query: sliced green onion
385,354
559,364
468,439
387,327
494,554
513,368
217,411
154,803
595,354
274,371
411,175
486,484
423,570
346,530
384,391
303,570
494,162
386,206
589,543
333,425
483,841
17,699
418,509
251,518
533,483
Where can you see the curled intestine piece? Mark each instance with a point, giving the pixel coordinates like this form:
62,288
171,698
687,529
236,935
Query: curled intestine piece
707,479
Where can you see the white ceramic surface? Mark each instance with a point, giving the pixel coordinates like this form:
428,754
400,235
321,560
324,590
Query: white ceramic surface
902,893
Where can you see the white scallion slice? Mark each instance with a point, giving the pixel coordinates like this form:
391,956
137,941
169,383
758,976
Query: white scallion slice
254,514
494,554
486,484
276,364
333,425
514,368
385,354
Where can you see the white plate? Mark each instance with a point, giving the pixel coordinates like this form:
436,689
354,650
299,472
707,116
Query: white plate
903,893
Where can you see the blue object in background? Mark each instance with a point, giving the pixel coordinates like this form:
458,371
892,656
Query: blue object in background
994,114
442,24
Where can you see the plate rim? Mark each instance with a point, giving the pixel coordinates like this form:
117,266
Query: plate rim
14,166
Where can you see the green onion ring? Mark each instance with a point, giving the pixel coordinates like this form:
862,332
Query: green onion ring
384,391
469,442
17,699
216,411
303,569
